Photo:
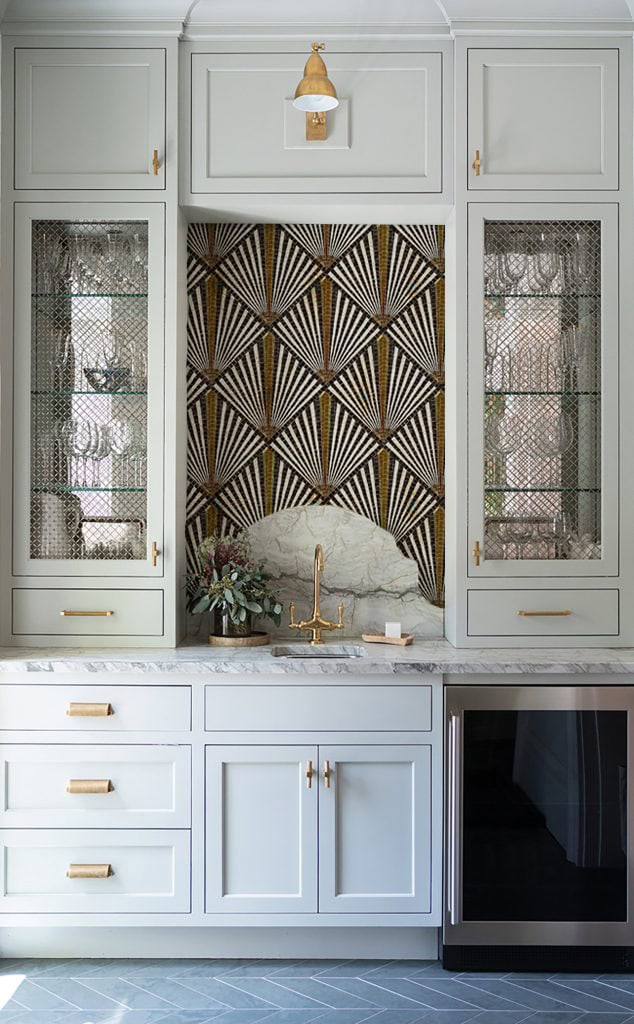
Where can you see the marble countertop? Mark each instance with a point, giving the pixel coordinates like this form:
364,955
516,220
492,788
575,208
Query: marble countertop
424,656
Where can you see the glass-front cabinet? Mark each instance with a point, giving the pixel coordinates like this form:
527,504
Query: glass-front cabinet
543,390
88,408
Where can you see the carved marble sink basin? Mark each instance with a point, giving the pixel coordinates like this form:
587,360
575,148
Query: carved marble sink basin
322,651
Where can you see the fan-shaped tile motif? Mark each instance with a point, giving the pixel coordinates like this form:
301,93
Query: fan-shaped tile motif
383,275
219,329
326,330
416,331
219,443
386,492
428,240
268,385
269,272
209,243
325,445
267,485
326,243
416,446
383,388
425,545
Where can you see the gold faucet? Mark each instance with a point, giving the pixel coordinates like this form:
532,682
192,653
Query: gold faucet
316,624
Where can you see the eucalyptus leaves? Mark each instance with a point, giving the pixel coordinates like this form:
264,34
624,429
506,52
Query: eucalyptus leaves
230,583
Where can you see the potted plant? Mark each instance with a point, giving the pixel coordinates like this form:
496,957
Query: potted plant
233,587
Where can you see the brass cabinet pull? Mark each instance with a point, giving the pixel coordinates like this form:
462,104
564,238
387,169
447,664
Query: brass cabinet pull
76,709
66,613
89,786
309,774
89,871
547,613
327,774
155,554
155,162
477,553
477,164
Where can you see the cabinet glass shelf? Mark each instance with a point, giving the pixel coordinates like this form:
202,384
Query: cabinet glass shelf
544,394
94,394
89,295
541,295
89,322
73,488
541,320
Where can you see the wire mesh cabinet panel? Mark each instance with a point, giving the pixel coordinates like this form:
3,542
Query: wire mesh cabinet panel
543,391
88,415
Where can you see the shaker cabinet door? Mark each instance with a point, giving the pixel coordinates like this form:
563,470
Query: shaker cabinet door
261,830
543,119
375,822
90,118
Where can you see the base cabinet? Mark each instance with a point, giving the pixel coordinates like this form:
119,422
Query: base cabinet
328,829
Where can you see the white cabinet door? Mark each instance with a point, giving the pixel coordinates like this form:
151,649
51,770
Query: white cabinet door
375,824
261,830
386,135
89,118
543,394
89,393
544,118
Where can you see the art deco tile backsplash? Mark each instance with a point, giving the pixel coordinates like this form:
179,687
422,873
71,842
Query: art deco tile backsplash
315,376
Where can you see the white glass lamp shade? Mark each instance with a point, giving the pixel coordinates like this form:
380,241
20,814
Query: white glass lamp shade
315,102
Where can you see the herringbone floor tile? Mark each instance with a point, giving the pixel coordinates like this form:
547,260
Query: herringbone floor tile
183,991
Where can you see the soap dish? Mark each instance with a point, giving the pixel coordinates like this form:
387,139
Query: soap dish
381,638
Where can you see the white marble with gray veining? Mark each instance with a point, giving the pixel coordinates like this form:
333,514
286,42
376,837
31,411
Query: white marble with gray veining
424,656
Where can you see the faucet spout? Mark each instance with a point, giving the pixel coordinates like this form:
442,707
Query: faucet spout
316,624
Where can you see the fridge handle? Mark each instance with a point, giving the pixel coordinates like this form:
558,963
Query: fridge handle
453,830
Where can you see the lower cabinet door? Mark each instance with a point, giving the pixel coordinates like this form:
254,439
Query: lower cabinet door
261,850
84,871
375,829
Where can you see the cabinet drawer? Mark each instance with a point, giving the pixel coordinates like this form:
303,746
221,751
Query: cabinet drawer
145,871
97,786
318,708
95,708
87,612
499,613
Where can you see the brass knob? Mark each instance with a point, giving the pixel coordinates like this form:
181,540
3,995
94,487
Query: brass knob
477,553
155,162
477,164
309,774
155,554
327,774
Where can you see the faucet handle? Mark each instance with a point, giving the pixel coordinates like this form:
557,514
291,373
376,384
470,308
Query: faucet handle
340,623
291,609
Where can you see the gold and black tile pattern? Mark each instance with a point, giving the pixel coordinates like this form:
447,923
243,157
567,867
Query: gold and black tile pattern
315,376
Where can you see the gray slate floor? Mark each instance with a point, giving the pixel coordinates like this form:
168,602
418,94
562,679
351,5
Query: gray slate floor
300,992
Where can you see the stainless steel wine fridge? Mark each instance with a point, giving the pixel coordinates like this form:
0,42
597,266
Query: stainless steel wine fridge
538,873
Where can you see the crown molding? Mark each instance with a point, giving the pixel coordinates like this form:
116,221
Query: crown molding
94,28
299,37
576,27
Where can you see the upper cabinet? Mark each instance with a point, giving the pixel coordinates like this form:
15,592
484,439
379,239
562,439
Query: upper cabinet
385,136
90,118
543,119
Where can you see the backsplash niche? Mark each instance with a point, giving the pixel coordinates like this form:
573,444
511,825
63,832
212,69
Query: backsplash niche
316,382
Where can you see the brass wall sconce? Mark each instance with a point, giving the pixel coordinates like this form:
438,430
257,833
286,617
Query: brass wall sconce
315,95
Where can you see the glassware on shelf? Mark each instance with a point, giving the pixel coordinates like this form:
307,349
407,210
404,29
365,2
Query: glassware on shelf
503,435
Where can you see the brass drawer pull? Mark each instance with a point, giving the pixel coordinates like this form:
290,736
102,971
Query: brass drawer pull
477,553
547,613
89,871
155,554
477,164
155,162
327,774
89,786
309,774
78,710
66,613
